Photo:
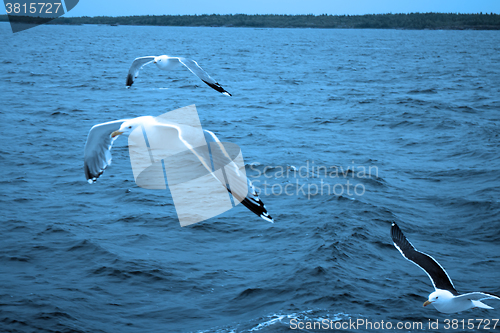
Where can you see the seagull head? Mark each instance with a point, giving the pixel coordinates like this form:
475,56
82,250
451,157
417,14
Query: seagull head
126,128
160,59
438,297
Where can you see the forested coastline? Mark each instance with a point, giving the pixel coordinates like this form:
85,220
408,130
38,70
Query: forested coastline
376,21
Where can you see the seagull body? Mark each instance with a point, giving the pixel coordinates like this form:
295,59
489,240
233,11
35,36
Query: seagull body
167,63
102,136
445,298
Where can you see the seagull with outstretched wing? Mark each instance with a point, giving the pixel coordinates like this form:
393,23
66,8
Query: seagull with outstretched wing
445,298
212,156
167,63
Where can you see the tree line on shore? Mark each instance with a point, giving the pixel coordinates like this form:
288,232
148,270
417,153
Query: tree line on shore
374,21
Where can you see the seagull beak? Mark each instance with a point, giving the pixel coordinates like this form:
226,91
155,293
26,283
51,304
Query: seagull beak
116,133
427,303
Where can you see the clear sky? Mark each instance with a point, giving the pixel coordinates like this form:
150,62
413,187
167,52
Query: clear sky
335,7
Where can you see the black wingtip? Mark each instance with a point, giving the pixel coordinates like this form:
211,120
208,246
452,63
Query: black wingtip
396,233
218,87
256,206
91,178
258,209
399,238
394,229
491,294
87,172
130,80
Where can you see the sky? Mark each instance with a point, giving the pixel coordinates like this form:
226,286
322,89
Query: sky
335,7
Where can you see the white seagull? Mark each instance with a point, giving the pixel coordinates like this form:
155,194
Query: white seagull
101,137
167,63
445,298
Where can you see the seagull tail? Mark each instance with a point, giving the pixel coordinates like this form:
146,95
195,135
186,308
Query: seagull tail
479,304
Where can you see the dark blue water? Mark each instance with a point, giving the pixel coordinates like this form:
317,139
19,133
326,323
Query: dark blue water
408,119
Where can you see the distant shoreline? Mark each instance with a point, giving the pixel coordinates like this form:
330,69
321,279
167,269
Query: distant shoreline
413,21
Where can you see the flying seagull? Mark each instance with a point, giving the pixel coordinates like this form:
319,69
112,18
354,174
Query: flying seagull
167,63
445,298
101,137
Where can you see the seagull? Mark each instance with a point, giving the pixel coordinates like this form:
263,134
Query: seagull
445,298
97,155
167,63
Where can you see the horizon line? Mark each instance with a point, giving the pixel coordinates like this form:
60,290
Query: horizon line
309,14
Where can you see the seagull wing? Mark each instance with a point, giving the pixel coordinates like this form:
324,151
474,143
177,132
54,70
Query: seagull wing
236,182
199,72
478,296
138,63
98,149
438,276
253,202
